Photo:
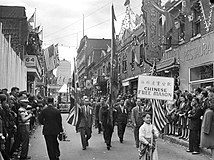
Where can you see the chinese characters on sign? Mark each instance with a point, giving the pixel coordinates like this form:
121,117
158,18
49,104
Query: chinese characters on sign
154,87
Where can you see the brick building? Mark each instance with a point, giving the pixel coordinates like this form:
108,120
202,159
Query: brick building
189,50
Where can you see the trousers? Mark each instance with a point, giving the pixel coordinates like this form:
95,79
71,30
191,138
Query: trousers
52,145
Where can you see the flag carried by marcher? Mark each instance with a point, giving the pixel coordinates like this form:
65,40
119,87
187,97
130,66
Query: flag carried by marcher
160,119
73,115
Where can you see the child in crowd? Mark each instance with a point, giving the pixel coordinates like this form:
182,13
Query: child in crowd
182,119
147,132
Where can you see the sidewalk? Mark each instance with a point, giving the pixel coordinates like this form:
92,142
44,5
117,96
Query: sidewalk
182,142
176,140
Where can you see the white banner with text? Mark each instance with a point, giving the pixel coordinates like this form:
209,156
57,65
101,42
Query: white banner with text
154,87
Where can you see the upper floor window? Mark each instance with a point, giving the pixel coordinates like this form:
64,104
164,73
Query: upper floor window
168,42
181,28
196,23
124,63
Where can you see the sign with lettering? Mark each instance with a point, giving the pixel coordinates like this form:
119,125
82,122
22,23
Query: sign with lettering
30,61
154,87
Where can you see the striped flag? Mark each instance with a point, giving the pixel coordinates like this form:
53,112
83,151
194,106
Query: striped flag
160,119
73,115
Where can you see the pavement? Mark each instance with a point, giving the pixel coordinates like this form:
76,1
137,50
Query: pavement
185,143
176,140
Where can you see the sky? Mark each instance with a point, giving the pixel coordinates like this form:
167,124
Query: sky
62,20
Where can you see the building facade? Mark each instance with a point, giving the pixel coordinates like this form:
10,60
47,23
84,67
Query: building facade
63,72
139,48
15,26
188,53
88,55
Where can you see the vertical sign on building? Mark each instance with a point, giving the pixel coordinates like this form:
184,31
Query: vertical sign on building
152,33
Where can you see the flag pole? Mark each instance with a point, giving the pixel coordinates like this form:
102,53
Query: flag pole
153,109
35,18
111,71
83,32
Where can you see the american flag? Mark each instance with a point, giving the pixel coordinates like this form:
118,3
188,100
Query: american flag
160,119
73,115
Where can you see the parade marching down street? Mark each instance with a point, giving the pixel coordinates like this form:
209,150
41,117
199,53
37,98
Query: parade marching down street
145,93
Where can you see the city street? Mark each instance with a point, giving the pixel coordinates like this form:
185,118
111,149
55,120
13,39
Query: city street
72,150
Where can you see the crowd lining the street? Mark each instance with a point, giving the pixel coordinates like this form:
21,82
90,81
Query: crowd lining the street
190,117
18,118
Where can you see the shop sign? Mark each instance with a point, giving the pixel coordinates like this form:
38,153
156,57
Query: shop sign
155,87
30,61
125,83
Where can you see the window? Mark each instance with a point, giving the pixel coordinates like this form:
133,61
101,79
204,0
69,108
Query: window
168,42
124,63
119,67
181,26
196,23
201,72
104,69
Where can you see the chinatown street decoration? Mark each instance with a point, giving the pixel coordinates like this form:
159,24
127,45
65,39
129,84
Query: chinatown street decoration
207,20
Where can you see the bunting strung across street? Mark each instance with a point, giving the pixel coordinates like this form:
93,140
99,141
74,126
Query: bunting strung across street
51,55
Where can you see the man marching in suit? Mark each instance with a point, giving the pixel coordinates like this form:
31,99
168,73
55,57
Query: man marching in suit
84,124
122,116
51,118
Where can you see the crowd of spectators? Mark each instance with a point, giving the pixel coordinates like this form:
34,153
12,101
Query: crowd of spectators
13,106
184,113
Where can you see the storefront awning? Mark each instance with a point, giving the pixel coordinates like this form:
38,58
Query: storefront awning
167,64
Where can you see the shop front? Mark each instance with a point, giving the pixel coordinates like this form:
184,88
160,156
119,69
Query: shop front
196,62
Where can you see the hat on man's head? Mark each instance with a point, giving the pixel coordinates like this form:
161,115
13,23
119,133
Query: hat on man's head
3,97
5,89
50,100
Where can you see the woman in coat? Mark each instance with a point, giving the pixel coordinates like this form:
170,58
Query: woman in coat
207,128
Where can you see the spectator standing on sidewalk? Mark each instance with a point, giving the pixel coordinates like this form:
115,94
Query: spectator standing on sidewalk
195,126
51,120
137,120
24,116
207,128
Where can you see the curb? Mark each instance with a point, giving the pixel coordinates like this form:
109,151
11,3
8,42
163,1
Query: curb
178,141
184,143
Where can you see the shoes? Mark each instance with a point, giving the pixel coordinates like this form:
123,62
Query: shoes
188,150
195,152
121,140
83,148
108,147
87,144
25,158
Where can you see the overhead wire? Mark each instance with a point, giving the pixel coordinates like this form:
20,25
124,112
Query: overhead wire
75,33
78,20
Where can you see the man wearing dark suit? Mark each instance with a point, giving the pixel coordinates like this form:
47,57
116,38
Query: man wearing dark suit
51,118
84,124
122,117
137,119
195,126
97,109
106,123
